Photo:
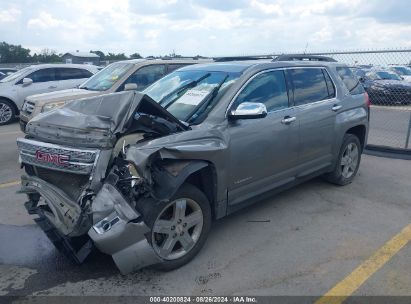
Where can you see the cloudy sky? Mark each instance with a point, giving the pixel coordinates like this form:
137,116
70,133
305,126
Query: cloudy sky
206,27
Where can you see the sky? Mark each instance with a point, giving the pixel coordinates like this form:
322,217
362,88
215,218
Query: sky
206,27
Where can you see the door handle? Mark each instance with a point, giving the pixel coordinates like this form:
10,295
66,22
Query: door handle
336,107
287,120
52,87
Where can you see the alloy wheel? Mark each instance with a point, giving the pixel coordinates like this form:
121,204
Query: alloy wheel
349,160
6,112
177,229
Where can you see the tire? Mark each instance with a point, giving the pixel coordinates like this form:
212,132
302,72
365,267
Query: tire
163,217
8,112
340,175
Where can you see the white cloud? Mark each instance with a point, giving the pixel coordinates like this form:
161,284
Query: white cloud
10,15
207,27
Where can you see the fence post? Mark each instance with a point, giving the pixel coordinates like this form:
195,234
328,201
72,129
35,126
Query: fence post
407,141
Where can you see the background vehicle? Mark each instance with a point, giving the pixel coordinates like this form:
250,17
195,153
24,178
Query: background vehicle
386,88
403,71
143,174
119,76
8,71
38,79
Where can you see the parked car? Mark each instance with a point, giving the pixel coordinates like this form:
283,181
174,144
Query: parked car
8,71
134,74
403,71
38,79
386,88
141,176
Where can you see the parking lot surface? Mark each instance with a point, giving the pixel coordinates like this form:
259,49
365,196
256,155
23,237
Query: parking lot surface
304,241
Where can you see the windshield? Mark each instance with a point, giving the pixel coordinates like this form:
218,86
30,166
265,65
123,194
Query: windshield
17,75
182,93
388,75
107,77
403,71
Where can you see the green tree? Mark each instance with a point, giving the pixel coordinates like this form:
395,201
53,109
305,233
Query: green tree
99,53
10,53
135,56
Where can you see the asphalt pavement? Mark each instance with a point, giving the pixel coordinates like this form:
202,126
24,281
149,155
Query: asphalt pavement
304,241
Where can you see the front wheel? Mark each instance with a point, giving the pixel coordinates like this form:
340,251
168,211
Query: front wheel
348,161
180,227
7,112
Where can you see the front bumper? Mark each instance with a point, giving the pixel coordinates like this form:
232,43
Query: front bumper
117,228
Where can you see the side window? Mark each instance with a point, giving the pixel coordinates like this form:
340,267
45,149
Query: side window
267,88
43,75
70,73
145,76
351,82
309,85
330,84
173,67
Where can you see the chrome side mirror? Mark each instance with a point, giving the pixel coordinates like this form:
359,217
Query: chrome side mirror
130,86
249,110
27,81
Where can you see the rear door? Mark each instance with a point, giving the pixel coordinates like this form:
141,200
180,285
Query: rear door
263,152
69,78
314,97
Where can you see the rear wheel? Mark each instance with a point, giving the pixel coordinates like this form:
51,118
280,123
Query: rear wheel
348,161
180,227
7,112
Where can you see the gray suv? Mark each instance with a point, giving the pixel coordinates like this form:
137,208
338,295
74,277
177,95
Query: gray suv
141,176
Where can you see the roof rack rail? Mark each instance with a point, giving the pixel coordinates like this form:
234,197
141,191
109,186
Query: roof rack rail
303,57
241,58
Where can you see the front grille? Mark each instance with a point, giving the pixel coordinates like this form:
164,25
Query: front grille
56,157
28,107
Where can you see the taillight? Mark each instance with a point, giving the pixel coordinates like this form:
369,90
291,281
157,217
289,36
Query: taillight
367,99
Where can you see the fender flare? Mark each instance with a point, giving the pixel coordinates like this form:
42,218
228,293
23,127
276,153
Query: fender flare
168,178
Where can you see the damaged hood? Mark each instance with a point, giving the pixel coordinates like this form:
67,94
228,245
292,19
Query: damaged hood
98,121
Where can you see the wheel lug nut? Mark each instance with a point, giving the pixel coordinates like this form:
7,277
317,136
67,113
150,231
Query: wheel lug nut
173,227
179,221
175,235
185,224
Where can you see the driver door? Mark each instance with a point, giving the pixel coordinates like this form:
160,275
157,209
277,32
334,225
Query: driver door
263,152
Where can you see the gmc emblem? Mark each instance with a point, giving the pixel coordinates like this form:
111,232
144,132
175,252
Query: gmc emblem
57,159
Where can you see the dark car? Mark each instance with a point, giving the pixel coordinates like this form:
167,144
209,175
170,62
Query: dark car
142,175
386,88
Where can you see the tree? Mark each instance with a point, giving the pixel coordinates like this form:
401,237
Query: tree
47,55
99,53
10,53
112,56
135,56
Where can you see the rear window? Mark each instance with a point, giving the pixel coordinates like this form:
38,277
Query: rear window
351,82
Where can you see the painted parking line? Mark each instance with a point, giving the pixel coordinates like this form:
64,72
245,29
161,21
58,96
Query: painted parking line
10,184
362,273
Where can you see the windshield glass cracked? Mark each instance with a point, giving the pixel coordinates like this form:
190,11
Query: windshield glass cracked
141,176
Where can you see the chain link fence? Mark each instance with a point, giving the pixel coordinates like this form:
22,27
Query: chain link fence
386,76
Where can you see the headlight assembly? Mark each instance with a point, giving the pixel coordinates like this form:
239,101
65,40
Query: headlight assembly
52,106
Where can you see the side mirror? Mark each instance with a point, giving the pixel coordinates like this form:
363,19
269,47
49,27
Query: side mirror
249,110
130,86
27,81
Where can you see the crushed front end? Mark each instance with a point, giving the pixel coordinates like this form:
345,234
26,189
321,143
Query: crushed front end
79,182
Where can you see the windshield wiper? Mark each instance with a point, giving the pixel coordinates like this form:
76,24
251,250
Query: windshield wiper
177,91
203,105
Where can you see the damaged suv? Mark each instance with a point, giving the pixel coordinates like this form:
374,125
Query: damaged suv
141,176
